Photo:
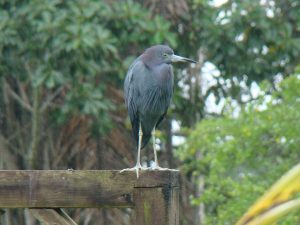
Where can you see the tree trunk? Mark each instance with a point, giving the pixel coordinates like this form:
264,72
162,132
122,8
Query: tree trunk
35,131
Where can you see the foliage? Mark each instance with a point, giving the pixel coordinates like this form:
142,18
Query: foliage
61,60
250,38
61,63
246,40
242,156
75,45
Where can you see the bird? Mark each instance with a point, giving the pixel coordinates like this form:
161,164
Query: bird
148,90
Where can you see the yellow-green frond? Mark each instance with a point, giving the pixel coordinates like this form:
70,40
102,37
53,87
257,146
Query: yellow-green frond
274,203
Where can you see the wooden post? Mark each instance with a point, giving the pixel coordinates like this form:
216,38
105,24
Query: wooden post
154,196
156,206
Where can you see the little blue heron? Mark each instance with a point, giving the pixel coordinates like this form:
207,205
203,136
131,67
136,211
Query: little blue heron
148,91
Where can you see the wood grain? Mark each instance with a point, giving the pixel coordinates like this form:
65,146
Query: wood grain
157,206
78,189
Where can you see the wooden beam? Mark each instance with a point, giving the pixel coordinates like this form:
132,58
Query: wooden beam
78,189
157,206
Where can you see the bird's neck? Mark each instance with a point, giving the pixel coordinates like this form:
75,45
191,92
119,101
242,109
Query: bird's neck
149,60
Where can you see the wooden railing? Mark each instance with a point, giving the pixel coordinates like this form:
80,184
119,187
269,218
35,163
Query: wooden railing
154,196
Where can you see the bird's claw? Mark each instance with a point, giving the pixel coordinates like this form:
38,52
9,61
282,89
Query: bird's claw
136,169
162,169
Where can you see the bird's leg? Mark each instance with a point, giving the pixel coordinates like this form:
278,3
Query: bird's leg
138,165
138,160
157,167
154,148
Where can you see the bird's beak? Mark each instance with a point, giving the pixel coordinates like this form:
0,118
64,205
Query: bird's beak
177,58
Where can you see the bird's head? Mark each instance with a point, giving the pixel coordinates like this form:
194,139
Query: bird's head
158,54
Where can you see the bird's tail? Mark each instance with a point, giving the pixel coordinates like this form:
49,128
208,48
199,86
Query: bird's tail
145,140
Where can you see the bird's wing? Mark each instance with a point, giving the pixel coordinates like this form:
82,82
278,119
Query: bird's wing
161,118
128,84
130,93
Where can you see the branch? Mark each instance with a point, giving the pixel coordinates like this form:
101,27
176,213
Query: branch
52,216
18,99
51,98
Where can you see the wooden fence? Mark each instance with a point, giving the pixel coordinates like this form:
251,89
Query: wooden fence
154,196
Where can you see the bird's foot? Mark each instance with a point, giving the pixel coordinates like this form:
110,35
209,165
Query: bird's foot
156,167
137,168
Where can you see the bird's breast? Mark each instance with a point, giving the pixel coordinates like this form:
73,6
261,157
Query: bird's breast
156,99
155,105
156,91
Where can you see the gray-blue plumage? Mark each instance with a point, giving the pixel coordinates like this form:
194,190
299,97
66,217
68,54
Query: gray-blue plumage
148,92
148,89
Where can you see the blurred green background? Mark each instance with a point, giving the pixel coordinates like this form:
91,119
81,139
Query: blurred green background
233,127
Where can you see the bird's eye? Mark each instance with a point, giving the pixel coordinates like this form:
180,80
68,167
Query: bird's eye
165,54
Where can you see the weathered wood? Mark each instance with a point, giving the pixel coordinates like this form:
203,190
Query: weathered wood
52,216
156,206
77,189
